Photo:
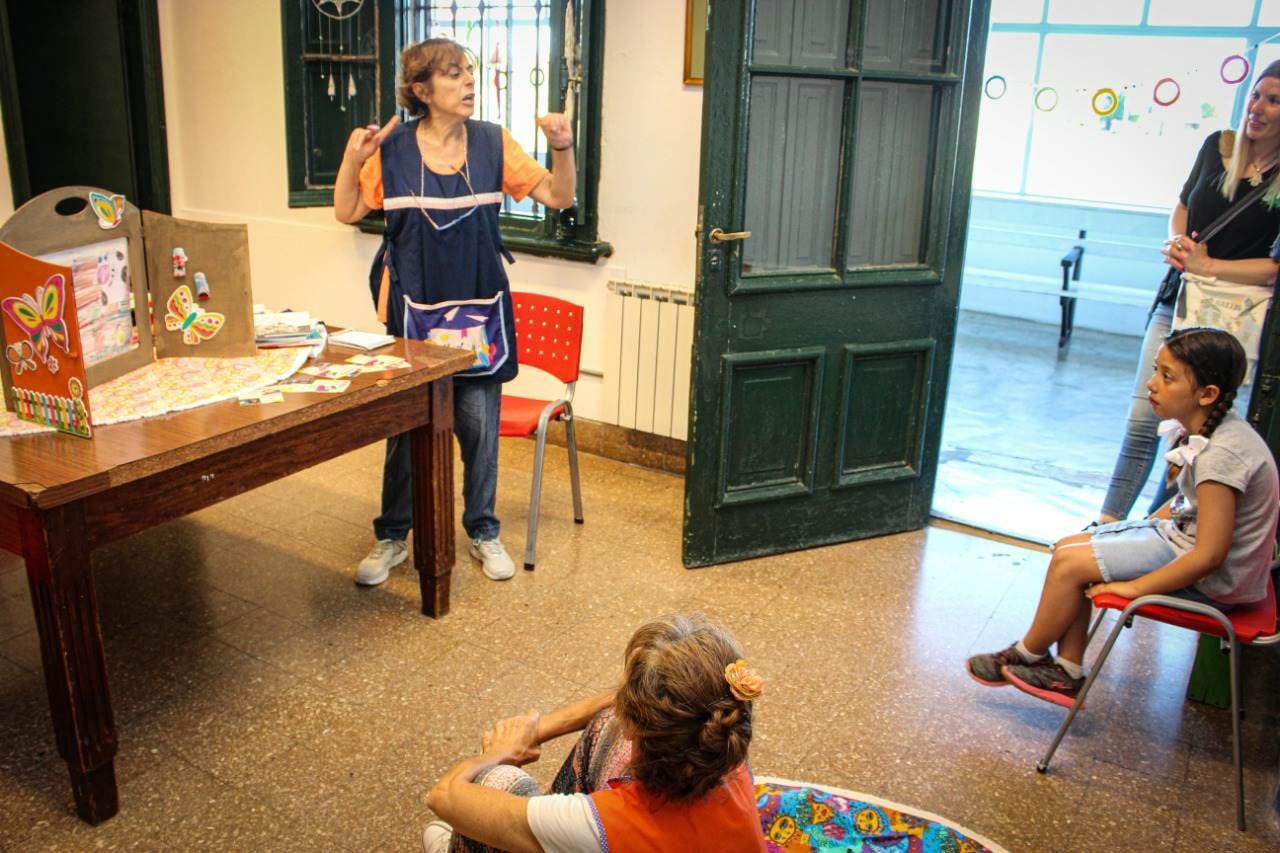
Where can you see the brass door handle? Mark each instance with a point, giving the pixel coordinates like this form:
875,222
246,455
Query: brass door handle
718,235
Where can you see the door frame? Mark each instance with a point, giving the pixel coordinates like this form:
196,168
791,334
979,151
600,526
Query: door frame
144,81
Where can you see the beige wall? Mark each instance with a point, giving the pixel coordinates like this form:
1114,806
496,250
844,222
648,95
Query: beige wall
224,100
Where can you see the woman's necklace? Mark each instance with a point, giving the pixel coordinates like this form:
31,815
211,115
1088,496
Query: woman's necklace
1258,170
465,171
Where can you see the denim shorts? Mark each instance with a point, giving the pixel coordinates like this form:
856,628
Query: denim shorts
1130,549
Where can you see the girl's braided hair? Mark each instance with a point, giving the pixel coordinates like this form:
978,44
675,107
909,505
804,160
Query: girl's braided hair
1215,357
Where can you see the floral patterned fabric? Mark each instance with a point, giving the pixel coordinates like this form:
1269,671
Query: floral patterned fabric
175,384
796,817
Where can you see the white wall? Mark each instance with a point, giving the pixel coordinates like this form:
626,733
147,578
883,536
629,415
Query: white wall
224,102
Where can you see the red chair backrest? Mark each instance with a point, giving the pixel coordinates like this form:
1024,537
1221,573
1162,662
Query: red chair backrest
548,334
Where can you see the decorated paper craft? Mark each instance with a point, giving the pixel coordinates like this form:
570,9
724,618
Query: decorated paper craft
195,323
43,355
179,262
101,295
68,414
202,287
108,209
40,317
20,357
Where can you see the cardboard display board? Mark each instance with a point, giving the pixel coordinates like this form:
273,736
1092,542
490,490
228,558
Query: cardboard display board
98,236
44,357
198,274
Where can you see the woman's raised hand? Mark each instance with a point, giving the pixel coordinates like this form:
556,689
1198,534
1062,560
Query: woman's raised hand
557,129
513,740
365,140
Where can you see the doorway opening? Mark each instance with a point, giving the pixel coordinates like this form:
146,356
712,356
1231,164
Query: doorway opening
1077,167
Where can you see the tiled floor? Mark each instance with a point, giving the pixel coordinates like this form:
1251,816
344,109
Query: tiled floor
266,703
1032,431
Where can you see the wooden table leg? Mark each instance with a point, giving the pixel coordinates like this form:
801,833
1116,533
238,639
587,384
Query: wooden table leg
75,672
431,455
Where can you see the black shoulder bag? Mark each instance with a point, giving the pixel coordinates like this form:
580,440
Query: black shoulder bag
1173,278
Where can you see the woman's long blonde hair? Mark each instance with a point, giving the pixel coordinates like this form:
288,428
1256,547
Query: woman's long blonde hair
1242,151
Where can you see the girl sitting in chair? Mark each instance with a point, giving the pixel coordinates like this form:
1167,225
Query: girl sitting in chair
1212,543
661,764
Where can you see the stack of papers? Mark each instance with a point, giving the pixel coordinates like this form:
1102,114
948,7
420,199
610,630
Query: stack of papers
288,329
361,340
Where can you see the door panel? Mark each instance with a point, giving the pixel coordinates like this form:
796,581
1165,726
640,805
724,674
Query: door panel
891,183
793,164
840,134
810,34
905,36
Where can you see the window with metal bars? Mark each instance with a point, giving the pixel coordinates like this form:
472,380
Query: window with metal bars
532,57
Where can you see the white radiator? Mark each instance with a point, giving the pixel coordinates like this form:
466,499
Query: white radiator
650,346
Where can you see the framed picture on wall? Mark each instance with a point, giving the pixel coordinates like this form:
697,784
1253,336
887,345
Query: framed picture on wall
695,40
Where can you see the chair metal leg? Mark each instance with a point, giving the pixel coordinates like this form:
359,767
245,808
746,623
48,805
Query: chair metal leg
1235,730
1084,691
531,539
571,440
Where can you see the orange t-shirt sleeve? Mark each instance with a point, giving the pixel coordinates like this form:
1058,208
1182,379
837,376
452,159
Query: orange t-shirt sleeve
371,181
520,172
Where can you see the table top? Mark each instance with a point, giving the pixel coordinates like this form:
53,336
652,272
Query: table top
50,469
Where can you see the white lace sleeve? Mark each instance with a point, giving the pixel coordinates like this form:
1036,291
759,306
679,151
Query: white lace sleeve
564,823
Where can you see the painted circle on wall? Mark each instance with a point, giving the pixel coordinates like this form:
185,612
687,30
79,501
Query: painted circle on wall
995,87
1166,91
1105,102
1046,99
1243,66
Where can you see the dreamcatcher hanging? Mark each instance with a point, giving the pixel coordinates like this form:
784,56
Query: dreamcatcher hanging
337,20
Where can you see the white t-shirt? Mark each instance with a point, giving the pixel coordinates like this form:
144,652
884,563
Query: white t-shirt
564,823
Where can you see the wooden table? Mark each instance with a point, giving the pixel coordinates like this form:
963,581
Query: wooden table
62,496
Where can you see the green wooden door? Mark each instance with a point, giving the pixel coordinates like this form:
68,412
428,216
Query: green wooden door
839,133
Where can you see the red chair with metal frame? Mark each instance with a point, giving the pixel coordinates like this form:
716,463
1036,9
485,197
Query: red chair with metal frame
1251,624
548,337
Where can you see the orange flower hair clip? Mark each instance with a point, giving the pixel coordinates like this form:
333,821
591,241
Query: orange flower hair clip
744,682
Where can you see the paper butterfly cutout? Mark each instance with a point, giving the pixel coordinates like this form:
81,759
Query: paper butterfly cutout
41,317
195,323
21,357
108,209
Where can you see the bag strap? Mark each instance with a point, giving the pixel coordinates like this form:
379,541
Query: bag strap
1224,219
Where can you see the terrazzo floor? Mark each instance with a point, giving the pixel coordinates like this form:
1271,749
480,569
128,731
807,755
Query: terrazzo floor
265,703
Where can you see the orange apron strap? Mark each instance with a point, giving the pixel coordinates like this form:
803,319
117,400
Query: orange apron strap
384,295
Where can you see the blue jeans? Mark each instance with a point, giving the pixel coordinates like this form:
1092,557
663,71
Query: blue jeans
1138,450
477,407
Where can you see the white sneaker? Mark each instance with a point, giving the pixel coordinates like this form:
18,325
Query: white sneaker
436,837
375,568
495,563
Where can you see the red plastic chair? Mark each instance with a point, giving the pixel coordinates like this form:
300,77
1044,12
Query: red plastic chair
548,337
1252,624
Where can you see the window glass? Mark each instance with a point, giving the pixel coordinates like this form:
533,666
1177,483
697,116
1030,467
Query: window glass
511,43
1095,11
1141,154
1017,11
1269,13
1191,13
1005,115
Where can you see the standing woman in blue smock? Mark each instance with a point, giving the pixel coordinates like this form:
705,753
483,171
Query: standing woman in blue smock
440,178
